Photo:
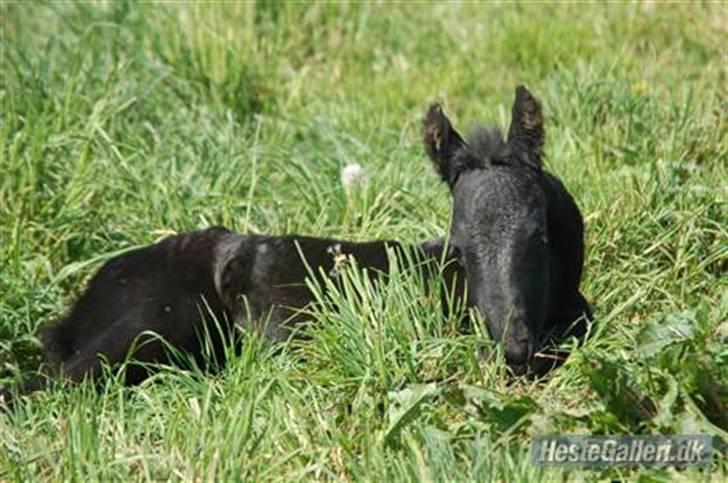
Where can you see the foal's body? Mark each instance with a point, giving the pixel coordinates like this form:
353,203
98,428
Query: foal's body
176,288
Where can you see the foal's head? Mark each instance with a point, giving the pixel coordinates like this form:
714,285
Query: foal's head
499,221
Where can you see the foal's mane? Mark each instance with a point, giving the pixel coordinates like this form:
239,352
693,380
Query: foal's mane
485,147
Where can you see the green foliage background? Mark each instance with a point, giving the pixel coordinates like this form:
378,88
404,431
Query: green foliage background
122,122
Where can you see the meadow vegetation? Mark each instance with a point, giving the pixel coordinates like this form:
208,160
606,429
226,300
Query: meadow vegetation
122,122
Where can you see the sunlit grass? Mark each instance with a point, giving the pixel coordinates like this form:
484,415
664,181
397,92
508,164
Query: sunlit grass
122,122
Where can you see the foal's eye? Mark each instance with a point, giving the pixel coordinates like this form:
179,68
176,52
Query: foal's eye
540,234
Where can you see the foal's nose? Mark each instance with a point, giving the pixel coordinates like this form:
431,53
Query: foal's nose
519,351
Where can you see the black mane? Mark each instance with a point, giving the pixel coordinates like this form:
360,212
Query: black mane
485,147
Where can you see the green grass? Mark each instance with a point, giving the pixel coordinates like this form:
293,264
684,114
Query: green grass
122,122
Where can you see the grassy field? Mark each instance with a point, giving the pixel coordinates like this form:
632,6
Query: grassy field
122,122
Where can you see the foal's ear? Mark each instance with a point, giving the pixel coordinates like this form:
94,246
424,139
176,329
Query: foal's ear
441,141
526,134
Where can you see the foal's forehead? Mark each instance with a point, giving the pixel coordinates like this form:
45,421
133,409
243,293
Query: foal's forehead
496,189
505,175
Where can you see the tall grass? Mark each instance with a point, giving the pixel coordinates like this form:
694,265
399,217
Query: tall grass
122,122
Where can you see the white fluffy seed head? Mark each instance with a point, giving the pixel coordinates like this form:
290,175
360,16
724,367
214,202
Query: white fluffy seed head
352,175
